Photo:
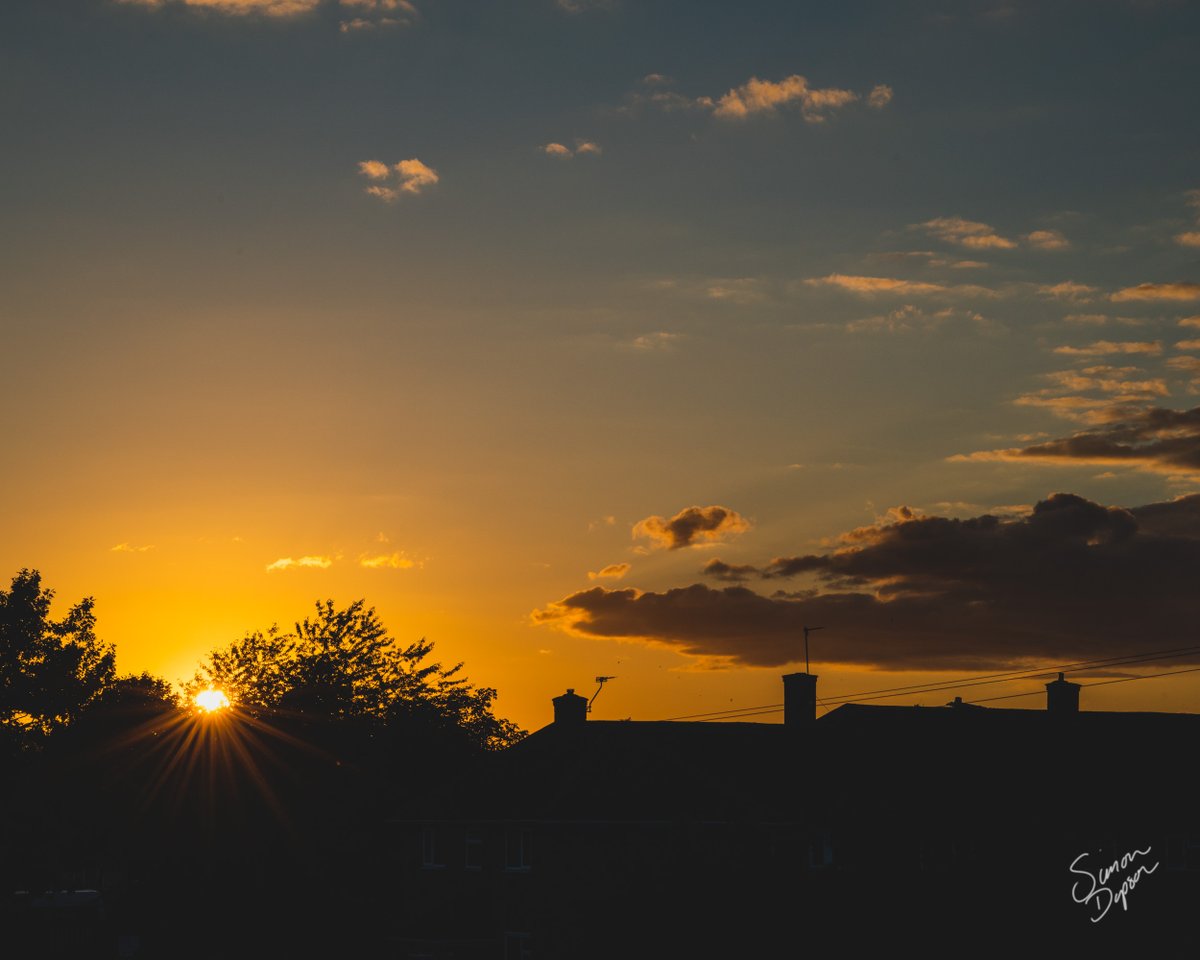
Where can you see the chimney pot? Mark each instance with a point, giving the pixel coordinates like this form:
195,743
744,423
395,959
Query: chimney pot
570,709
1062,697
799,700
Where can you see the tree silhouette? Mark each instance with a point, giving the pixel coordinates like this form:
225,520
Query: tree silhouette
50,670
342,664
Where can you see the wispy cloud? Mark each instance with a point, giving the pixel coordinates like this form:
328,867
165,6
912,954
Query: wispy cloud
390,183
130,548
583,148
375,14
1158,291
871,286
614,571
757,96
880,96
582,6
1068,290
300,563
891,286
397,560
270,8
1103,348
967,233
1047,240
658,340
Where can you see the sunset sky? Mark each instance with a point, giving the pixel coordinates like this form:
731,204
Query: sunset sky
616,337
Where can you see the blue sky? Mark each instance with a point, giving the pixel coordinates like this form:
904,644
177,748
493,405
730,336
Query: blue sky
453,284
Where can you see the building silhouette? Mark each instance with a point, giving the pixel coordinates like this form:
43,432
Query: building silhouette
953,827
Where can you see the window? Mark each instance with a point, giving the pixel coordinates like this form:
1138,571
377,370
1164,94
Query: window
429,849
473,844
820,851
518,849
518,946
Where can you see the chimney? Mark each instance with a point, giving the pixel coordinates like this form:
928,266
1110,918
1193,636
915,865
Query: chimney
570,710
799,700
1062,696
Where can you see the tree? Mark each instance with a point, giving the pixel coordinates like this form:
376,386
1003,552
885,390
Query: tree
343,664
50,670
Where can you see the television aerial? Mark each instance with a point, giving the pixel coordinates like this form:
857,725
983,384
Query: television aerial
807,631
601,681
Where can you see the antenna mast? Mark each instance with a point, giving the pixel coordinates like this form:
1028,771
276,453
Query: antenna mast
807,631
602,681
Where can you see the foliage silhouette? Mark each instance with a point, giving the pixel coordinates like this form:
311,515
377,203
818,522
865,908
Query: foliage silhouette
341,664
50,670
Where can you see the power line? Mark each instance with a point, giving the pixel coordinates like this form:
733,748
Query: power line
713,713
934,685
722,719
887,693
1098,683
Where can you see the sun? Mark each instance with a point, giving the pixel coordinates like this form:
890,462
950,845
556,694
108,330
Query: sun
210,701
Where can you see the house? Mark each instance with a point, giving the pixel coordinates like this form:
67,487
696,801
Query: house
866,826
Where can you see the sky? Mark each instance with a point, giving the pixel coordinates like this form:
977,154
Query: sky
612,337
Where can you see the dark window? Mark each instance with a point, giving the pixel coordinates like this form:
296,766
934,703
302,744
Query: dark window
820,851
429,848
518,946
518,852
474,850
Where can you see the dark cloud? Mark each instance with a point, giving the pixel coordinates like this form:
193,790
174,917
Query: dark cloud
1072,580
691,526
1152,438
730,572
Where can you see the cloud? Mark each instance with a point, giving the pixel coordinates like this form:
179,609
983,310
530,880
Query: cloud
1158,291
356,15
880,96
909,318
302,563
374,14
1190,238
730,572
1071,580
1103,348
692,526
388,561
269,8
1190,321
658,340
766,96
582,6
758,97
409,177
871,286
1068,290
967,233
1153,439
614,571
1047,240
129,548
1105,379
583,148
1188,345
